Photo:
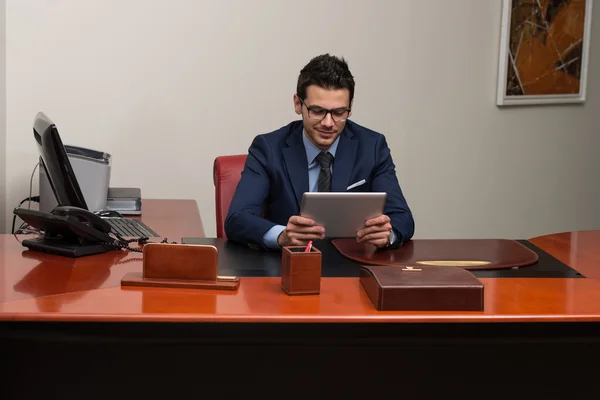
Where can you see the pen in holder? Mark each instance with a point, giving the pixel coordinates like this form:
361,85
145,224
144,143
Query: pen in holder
300,270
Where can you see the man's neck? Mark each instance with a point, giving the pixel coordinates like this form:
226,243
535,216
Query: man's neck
313,143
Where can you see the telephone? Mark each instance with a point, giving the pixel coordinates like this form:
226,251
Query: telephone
70,231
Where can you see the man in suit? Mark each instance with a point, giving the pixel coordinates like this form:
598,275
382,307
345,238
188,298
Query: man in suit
324,151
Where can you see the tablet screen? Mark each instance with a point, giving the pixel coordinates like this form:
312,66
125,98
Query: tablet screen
342,213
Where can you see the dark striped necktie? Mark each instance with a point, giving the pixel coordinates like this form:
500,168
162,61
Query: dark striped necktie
324,183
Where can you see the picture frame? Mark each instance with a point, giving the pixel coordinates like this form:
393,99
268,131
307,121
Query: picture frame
544,51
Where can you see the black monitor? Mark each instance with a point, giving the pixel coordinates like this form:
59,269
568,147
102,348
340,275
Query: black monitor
55,161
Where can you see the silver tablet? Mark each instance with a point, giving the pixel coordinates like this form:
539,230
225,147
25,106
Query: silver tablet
342,213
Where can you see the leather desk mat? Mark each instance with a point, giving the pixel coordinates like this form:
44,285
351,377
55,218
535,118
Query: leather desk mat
239,260
471,254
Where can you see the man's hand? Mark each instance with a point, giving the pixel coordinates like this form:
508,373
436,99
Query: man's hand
299,231
376,231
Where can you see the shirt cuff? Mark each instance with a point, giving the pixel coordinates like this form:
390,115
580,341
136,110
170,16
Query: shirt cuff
393,237
270,238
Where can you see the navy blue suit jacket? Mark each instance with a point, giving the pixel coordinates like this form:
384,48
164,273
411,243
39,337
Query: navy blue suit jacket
275,177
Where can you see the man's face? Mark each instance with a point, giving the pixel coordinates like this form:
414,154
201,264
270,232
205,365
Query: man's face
323,132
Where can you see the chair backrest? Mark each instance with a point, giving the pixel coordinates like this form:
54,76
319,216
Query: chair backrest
226,175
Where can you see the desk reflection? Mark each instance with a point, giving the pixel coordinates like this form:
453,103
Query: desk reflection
57,275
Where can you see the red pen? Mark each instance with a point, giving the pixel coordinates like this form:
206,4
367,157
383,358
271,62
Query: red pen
308,247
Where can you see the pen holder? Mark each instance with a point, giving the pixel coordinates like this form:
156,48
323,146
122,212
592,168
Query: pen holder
300,271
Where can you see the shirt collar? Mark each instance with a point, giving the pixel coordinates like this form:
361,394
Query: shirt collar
312,151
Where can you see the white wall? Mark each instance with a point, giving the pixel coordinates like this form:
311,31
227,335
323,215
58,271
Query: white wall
166,86
3,216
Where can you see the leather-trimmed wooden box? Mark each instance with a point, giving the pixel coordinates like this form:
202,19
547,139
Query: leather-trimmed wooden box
300,270
180,266
422,288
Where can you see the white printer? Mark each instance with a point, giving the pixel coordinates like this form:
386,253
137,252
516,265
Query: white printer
92,170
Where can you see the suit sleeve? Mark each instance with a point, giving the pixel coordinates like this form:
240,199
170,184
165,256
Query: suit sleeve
244,223
396,207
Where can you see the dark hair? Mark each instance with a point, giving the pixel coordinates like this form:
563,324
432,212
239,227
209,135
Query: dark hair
328,72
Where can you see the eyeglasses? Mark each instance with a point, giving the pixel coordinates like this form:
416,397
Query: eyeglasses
319,113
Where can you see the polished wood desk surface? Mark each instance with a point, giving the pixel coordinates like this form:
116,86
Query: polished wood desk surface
41,287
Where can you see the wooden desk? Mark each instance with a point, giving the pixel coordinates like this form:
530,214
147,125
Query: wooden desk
39,287
70,321
28,276
172,218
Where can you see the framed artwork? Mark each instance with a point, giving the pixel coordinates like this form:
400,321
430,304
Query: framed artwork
544,49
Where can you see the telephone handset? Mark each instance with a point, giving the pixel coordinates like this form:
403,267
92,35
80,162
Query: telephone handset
87,224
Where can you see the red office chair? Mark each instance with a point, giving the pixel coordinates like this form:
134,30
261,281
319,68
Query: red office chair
226,175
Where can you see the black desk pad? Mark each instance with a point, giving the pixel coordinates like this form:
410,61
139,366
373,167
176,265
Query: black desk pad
239,260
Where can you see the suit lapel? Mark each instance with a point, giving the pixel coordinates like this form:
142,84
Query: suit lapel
344,162
296,163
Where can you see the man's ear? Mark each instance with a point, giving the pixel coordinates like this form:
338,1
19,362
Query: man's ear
351,104
297,105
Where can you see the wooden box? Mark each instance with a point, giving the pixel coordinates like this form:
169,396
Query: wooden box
300,271
180,266
422,288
